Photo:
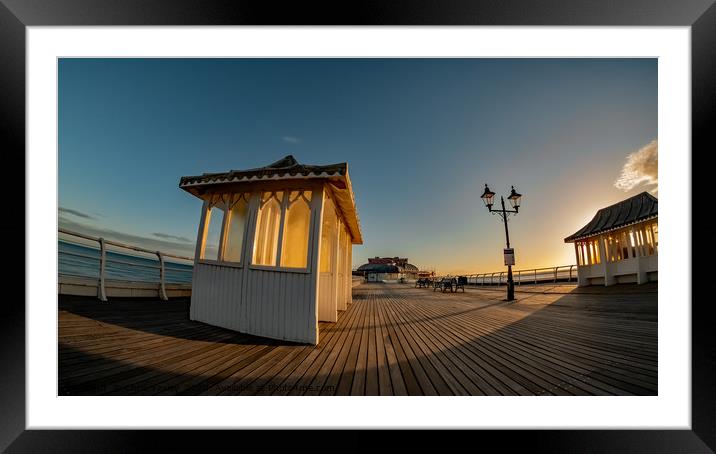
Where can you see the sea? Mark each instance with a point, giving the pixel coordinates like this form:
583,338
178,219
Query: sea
136,269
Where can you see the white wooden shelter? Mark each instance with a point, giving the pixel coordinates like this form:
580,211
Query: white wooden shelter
620,244
274,248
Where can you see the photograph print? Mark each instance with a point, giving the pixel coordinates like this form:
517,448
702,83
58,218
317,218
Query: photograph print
357,226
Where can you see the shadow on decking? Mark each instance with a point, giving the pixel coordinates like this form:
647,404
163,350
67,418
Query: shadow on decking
166,318
438,344
536,353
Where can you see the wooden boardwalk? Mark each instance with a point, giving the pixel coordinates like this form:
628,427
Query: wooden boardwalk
393,340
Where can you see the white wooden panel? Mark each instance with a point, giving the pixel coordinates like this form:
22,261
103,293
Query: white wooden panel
314,247
349,267
589,271
327,307
651,263
328,281
341,268
276,304
627,266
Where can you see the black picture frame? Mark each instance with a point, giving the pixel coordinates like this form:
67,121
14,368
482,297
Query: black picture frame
16,15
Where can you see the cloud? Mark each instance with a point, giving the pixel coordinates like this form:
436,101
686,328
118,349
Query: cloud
641,168
167,236
290,139
77,213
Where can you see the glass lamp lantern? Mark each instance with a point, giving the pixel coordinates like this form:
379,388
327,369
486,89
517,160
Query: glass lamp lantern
515,198
487,197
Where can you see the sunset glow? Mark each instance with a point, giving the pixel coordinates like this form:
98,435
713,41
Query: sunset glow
421,138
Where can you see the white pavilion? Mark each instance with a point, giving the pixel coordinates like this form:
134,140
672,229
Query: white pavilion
620,244
274,248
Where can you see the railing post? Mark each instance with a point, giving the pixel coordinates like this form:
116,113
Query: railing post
555,274
101,293
162,288
519,279
535,276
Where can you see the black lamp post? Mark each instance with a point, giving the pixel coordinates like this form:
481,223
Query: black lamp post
514,199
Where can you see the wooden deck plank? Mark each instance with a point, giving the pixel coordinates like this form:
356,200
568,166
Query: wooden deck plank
302,380
387,367
95,369
332,359
441,378
482,335
559,344
392,340
407,377
358,386
372,382
349,355
539,372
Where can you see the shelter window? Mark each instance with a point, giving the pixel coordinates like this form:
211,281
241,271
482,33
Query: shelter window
625,245
655,233
640,241
587,253
267,229
649,241
632,243
597,258
235,228
212,227
294,249
284,218
328,233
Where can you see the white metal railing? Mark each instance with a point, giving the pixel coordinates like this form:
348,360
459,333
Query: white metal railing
532,276
103,259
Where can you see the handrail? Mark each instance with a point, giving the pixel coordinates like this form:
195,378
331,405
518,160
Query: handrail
118,244
101,293
533,275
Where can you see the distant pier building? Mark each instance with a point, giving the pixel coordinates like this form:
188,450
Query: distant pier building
379,269
620,244
274,248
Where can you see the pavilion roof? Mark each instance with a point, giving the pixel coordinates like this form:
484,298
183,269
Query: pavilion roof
287,168
638,208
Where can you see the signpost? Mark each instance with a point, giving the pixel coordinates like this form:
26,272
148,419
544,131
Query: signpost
509,256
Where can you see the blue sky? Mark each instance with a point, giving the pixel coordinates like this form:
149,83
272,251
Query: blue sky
421,137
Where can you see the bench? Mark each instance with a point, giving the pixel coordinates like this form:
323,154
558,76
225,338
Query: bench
446,283
461,283
437,284
422,282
